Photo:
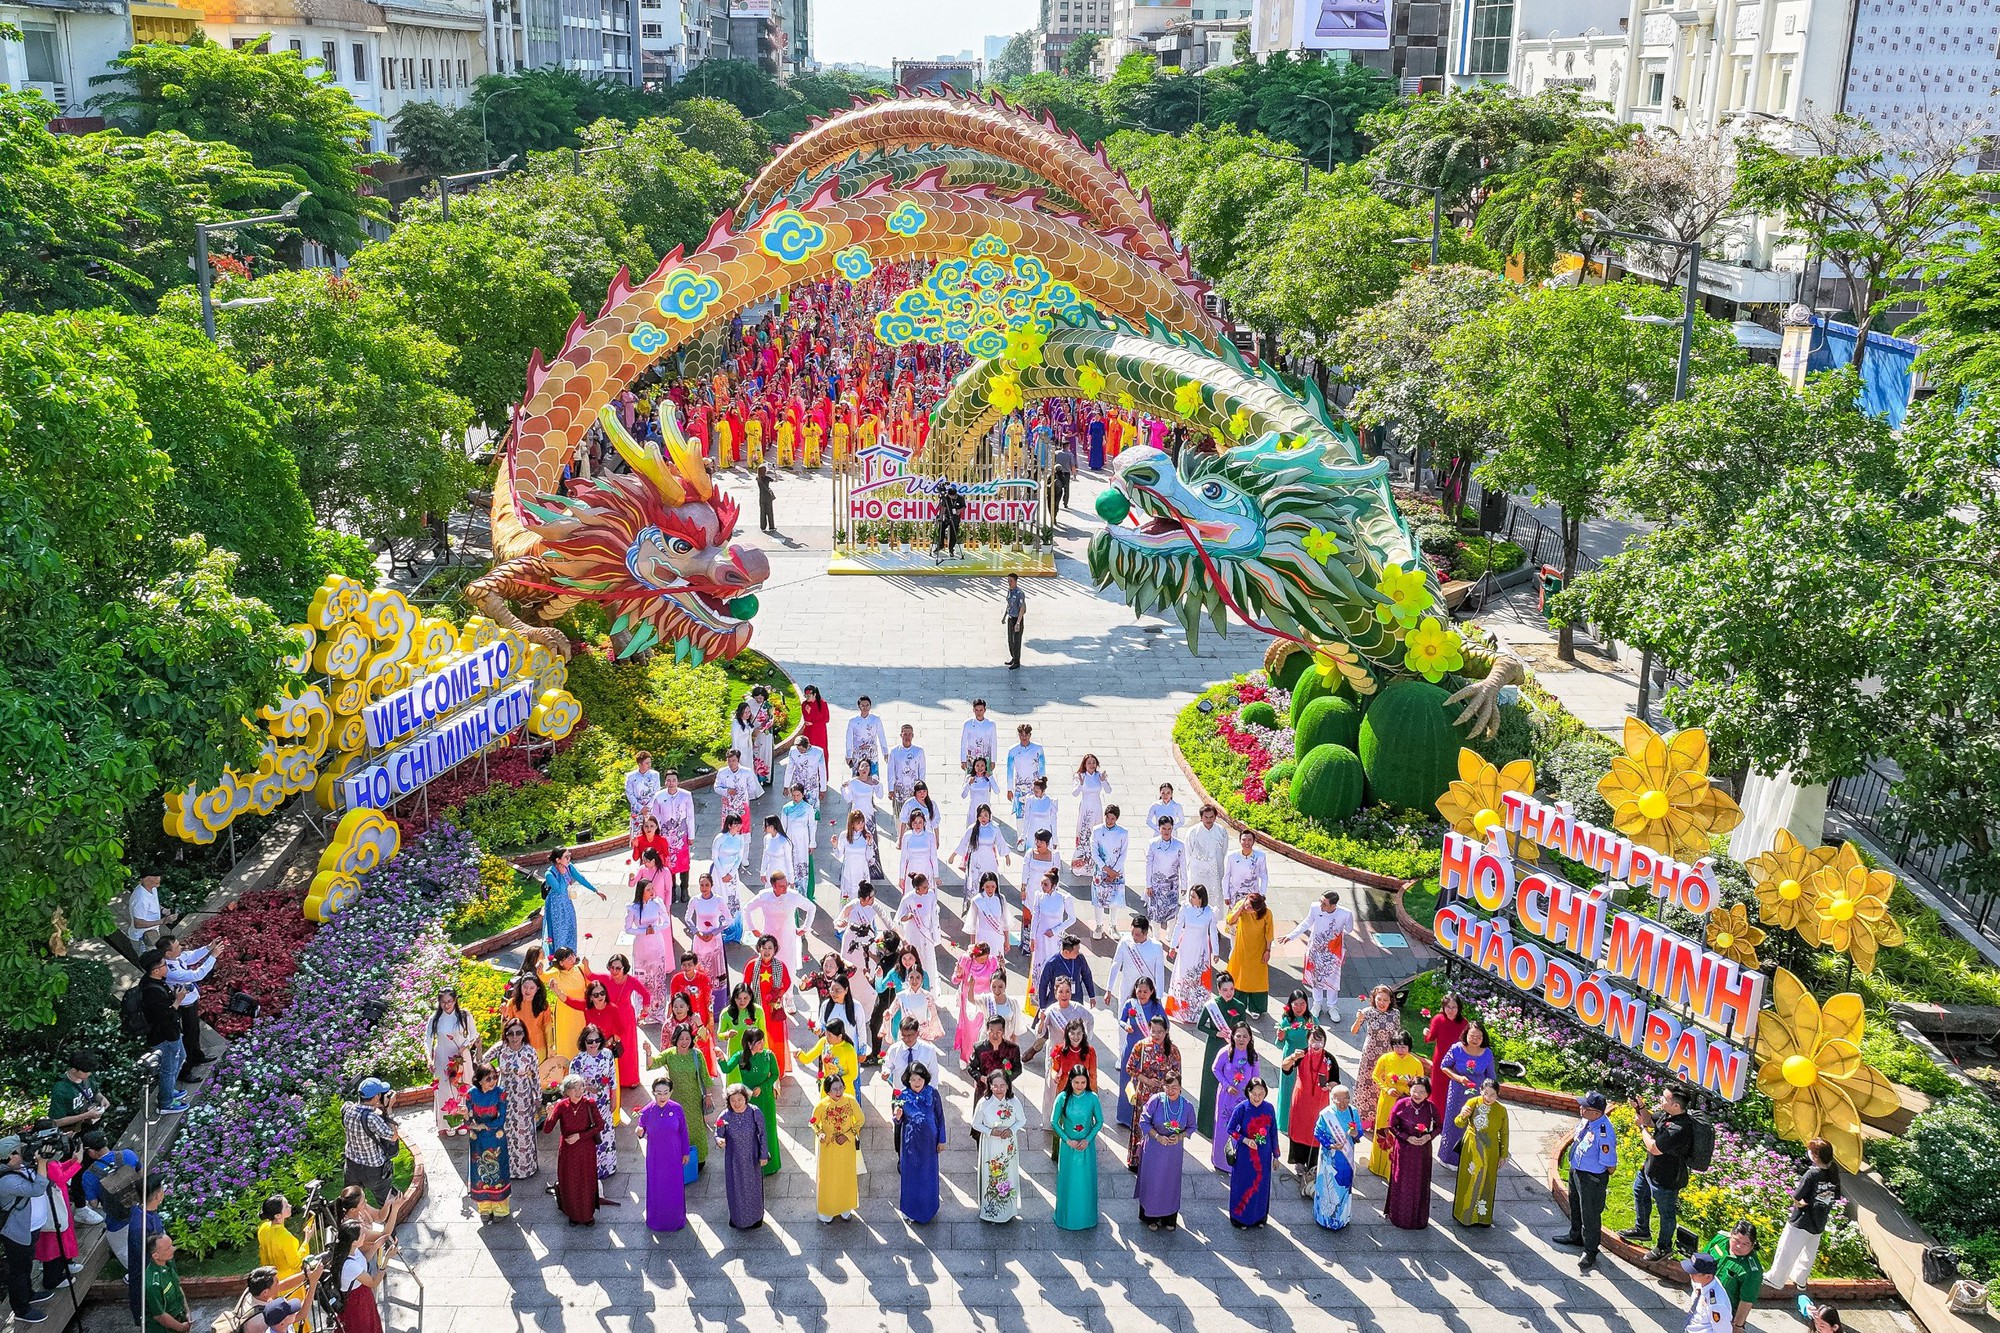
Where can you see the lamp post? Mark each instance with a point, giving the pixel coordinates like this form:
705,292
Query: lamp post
204,277
446,182
1693,251
1436,193
1331,114
485,142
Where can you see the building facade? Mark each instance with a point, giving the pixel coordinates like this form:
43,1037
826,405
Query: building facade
431,52
64,44
1061,22
1404,39
1200,43
347,38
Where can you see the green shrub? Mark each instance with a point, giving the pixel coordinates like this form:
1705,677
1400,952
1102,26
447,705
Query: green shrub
1409,746
1258,714
507,898
1437,539
1570,772
1291,669
1279,775
1946,1167
1311,686
1514,740
1327,784
1470,560
1327,721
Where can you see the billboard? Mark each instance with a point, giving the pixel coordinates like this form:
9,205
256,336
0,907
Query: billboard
936,75
1341,25
749,9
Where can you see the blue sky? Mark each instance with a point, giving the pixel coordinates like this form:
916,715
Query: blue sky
878,31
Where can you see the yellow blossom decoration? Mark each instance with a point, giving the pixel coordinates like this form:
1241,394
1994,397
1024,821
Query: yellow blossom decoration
1187,398
1473,803
1320,545
1432,651
1731,934
1004,393
1126,401
1024,346
1809,1065
1660,795
1409,594
1851,906
1090,380
1783,877
1239,423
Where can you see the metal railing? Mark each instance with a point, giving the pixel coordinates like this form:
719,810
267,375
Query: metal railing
1865,800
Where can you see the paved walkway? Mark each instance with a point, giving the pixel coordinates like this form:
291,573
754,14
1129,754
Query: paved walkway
1094,680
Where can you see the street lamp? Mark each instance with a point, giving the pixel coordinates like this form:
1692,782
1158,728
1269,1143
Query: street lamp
204,277
576,155
1331,116
1436,193
486,143
1693,248
446,182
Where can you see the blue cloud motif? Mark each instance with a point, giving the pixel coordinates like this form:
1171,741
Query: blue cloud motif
648,339
895,328
907,220
987,343
688,295
791,238
854,263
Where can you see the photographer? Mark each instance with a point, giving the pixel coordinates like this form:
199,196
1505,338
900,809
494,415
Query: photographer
159,1002
950,510
75,1103
56,1159
19,1188
1668,1132
372,1139
186,970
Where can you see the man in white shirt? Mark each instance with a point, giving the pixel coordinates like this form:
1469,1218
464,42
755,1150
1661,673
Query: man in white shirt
1165,808
190,967
1247,871
673,807
642,784
905,769
1207,849
908,1050
143,913
1137,957
866,741
785,916
1108,844
978,739
805,768
1025,762
1711,1311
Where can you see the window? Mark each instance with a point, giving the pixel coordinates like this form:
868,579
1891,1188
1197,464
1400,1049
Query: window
329,58
1200,14
409,72
388,71
654,30
427,73
360,53
298,47
1489,48
43,52
239,43
1656,87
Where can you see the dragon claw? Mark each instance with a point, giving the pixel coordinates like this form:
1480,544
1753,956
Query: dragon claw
1481,714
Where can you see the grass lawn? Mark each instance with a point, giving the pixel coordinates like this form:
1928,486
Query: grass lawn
500,911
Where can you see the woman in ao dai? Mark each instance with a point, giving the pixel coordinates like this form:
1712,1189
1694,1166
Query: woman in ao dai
1194,950
917,851
1091,787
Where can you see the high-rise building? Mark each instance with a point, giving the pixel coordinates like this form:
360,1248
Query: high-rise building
1063,21
1402,38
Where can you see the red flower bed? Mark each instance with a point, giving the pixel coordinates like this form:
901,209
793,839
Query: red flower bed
262,935
1250,692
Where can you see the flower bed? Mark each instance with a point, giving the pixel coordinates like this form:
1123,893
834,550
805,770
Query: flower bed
262,937
506,898
254,1132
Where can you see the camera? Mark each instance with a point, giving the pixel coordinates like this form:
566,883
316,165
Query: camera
46,1143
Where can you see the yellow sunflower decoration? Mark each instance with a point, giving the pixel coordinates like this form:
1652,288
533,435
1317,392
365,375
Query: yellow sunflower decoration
1409,594
1850,903
1432,651
1090,380
1004,393
1731,934
1660,795
1809,1065
1783,876
1472,804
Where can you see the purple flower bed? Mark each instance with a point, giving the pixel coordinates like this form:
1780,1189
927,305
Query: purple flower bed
262,1099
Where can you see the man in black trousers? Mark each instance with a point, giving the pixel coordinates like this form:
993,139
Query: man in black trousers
767,500
1017,620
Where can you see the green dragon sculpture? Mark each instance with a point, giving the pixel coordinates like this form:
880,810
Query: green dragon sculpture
961,166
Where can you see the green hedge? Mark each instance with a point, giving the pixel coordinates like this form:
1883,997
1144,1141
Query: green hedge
1946,1170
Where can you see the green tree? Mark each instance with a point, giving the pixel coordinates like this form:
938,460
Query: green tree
1533,208
1869,201
278,107
371,433
1017,60
129,659
484,293
711,125
1458,140
669,193
744,85
1390,351
1839,612
434,140
1959,325
106,219
1562,378
1171,166
538,110
1079,55
1317,106
1071,102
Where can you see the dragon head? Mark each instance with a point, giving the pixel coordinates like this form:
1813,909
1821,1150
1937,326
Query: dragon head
1294,544
653,547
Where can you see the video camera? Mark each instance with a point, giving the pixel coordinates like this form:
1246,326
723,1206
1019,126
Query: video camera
44,1142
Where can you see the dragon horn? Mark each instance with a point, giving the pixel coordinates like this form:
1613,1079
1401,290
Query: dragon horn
686,458
642,460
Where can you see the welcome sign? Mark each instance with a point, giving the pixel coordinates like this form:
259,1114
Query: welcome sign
1671,1000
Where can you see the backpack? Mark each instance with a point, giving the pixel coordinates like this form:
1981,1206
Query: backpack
132,1013
1701,1144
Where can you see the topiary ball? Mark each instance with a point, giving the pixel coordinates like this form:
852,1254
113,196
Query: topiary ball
1258,713
1328,720
1327,785
1310,686
1409,745
1280,775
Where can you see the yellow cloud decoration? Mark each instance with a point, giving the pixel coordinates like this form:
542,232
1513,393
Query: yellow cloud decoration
1472,804
1850,904
1731,934
1783,877
555,715
1660,795
364,840
1809,1065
